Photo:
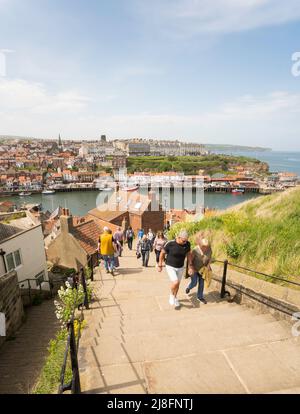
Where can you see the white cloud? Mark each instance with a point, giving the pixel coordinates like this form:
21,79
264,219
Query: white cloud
269,120
191,17
21,95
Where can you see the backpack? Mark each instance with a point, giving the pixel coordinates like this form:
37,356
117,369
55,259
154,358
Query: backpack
145,245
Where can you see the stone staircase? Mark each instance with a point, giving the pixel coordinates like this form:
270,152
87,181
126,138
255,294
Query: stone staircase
135,342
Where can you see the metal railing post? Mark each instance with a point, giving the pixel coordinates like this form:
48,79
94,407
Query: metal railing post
223,288
83,281
75,389
92,268
29,292
74,281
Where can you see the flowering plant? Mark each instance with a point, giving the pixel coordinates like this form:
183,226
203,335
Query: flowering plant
69,299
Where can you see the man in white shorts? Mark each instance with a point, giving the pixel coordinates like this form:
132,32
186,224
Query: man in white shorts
176,250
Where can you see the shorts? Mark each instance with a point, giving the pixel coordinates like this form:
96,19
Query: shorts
175,274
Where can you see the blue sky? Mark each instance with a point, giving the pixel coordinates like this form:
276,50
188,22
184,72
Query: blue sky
196,70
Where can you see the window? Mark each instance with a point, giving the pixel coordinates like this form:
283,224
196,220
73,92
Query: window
40,278
10,262
13,260
17,256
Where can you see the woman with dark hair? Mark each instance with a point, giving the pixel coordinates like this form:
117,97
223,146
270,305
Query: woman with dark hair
129,235
200,270
158,245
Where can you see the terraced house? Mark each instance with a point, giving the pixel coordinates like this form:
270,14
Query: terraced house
22,249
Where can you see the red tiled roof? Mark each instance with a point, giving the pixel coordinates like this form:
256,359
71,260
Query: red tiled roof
6,203
87,234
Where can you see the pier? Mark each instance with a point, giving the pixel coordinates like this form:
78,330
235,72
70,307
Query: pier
258,189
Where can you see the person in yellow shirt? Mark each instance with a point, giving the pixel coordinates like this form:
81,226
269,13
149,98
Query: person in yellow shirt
107,249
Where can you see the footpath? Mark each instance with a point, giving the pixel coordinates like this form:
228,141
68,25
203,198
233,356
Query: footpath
22,358
135,342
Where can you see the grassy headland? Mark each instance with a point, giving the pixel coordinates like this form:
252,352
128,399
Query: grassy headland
211,164
262,234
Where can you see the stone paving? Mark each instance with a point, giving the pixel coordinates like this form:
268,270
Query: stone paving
135,342
22,358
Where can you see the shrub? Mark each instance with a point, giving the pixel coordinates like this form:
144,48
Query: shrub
48,381
233,250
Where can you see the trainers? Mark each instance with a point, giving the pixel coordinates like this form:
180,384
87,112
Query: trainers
202,300
176,303
187,291
172,300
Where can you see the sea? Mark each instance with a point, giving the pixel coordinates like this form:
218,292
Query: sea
80,203
279,161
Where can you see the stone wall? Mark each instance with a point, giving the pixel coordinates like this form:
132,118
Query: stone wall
11,303
281,301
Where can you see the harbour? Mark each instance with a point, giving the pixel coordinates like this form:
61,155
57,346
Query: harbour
80,202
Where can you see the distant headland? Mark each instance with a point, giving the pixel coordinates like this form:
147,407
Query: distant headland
228,147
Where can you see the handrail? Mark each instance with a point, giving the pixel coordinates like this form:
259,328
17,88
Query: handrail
72,344
39,287
257,272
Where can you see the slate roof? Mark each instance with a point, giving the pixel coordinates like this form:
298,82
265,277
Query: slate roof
106,215
7,231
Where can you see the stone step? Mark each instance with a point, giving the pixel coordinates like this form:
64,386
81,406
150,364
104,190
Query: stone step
157,346
243,334
163,321
141,310
136,342
196,316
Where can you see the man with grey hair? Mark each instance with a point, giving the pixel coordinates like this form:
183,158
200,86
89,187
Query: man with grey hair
177,251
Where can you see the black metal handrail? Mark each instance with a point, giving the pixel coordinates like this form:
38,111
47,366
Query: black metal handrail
91,265
39,287
226,263
72,345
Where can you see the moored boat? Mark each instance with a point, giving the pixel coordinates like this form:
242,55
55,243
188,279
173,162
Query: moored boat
130,188
238,191
47,192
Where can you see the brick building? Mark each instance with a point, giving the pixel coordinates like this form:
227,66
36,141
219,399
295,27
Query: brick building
130,209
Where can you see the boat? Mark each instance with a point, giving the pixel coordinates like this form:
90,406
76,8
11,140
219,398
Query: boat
47,192
24,194
238,191
130,188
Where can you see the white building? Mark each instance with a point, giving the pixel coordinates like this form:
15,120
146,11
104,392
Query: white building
83,151
22,249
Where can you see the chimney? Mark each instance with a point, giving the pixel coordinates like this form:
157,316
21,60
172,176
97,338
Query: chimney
66,222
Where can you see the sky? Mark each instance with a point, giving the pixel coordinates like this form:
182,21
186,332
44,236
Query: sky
218,72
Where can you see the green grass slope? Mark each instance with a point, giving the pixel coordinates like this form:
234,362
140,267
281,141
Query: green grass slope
262,234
